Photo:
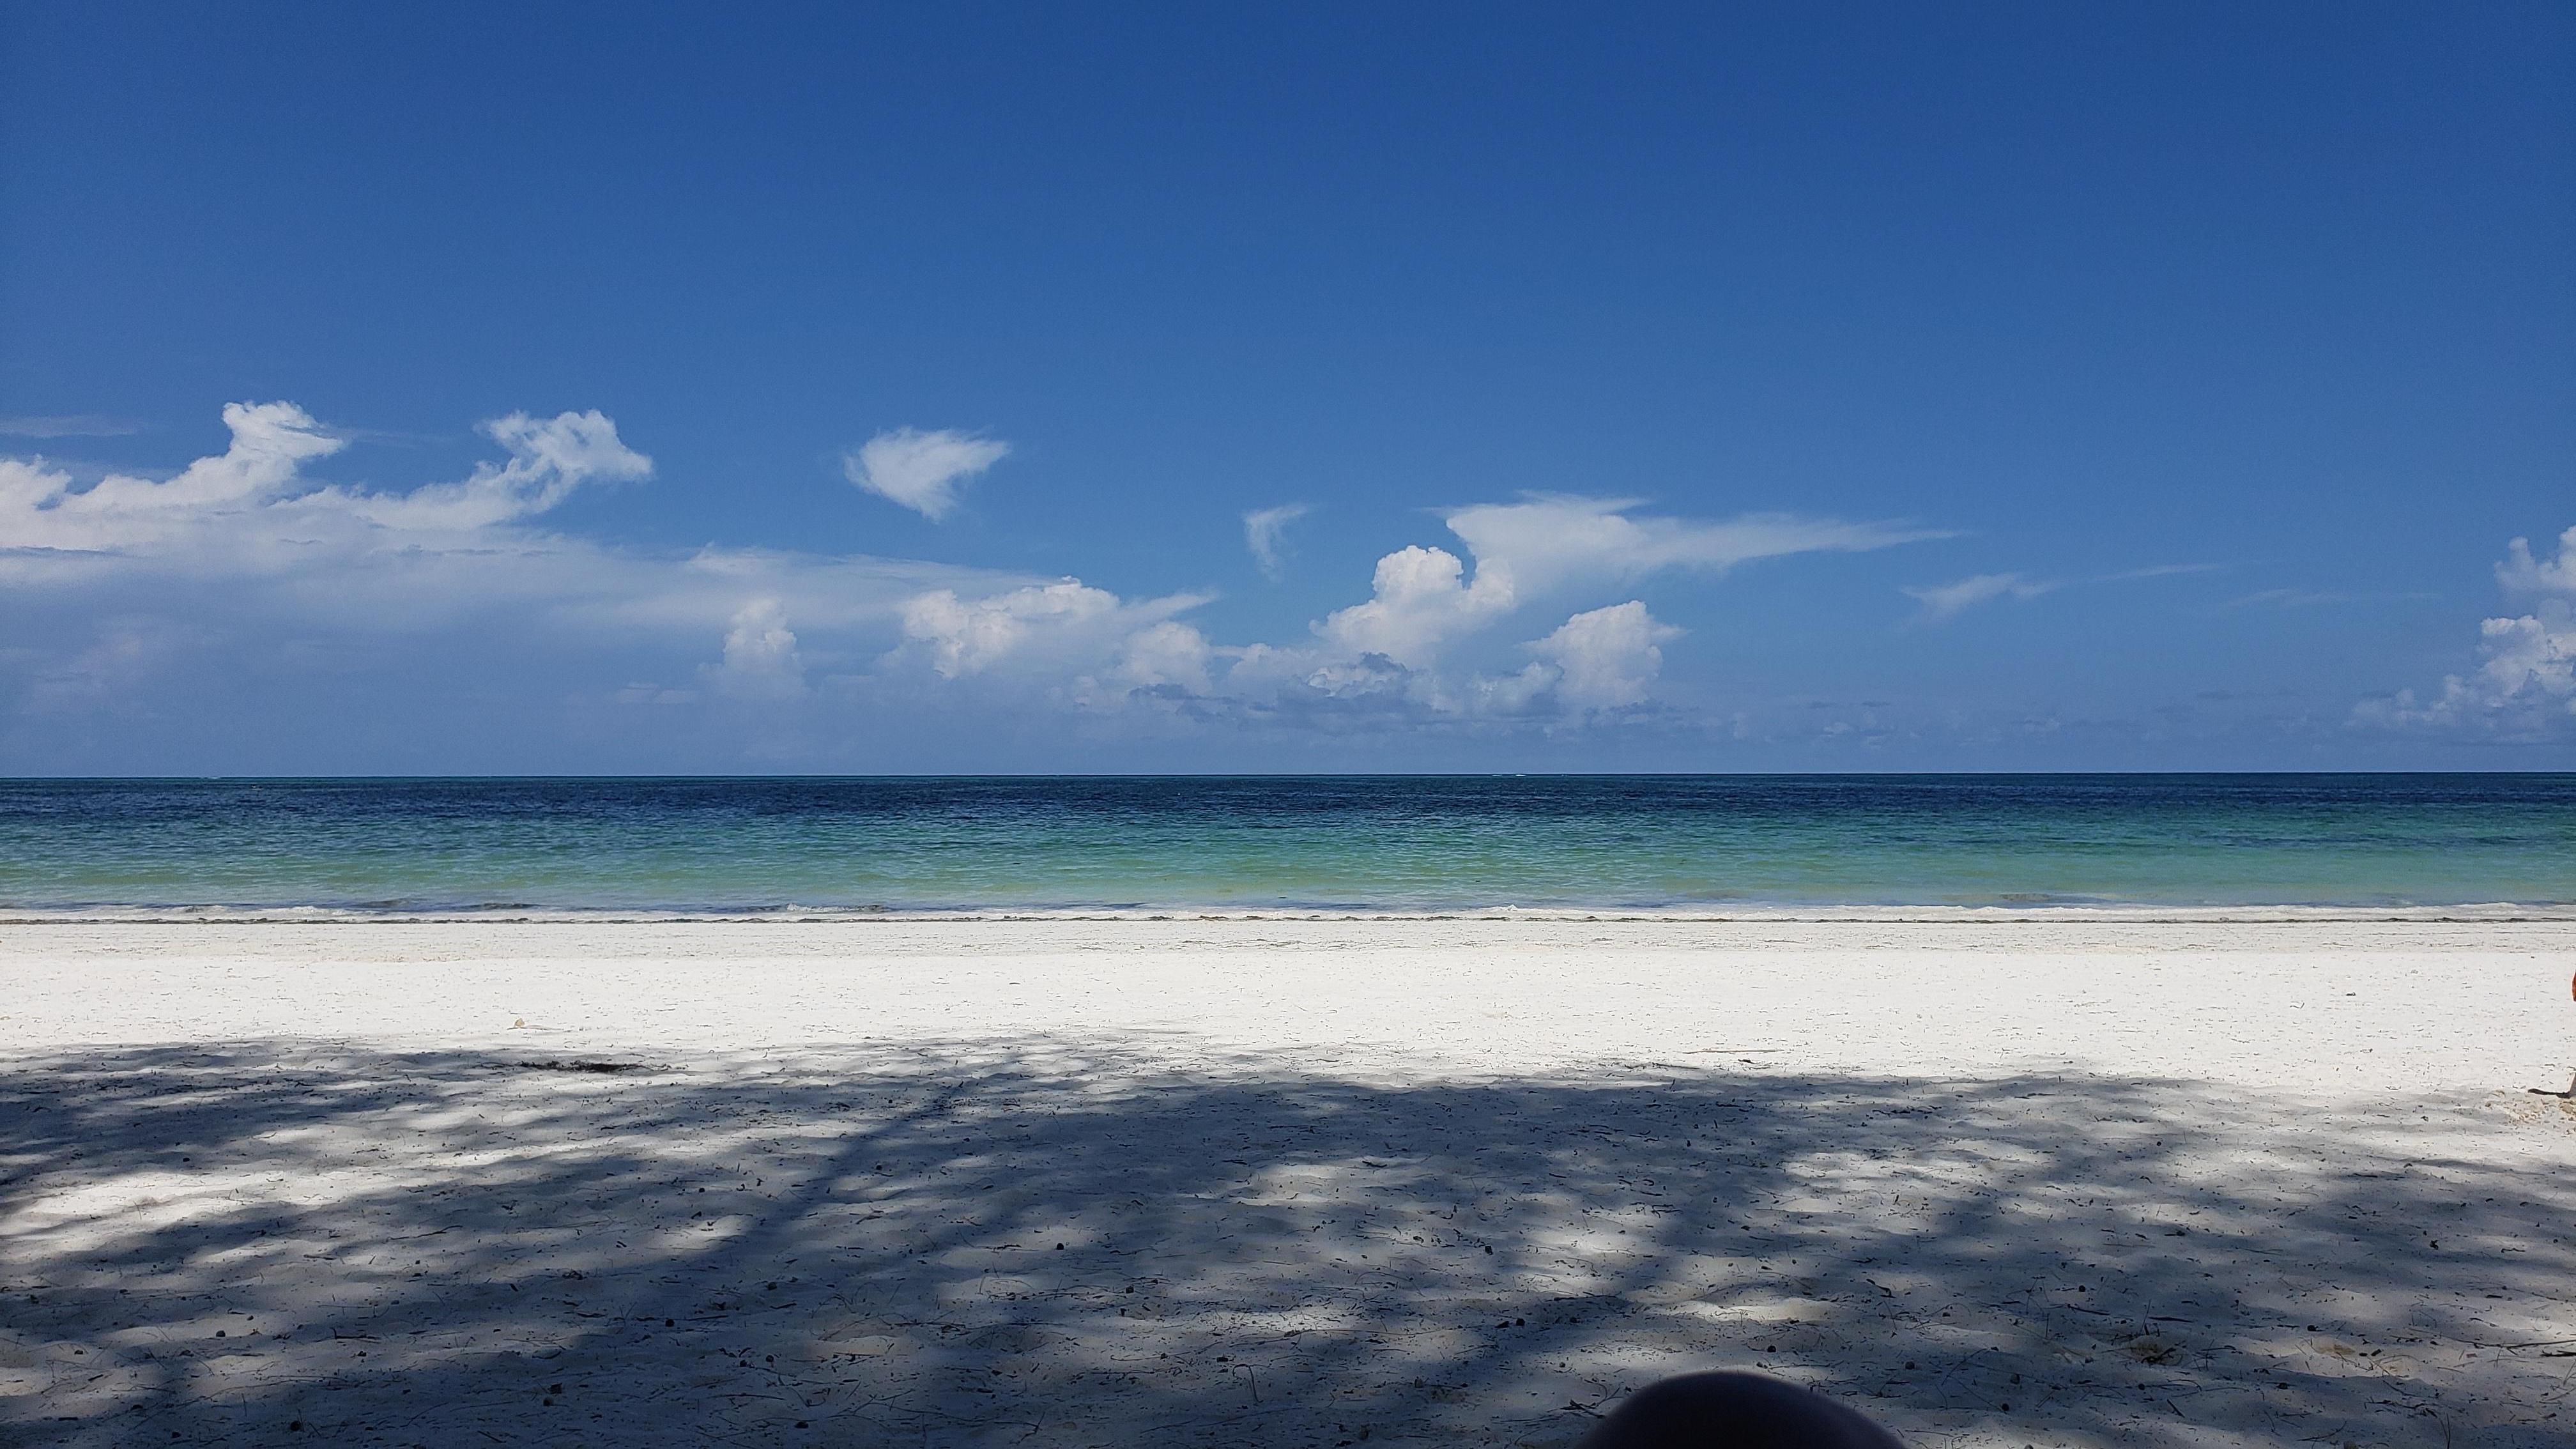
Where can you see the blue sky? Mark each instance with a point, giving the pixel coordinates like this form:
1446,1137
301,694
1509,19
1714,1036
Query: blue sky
654,389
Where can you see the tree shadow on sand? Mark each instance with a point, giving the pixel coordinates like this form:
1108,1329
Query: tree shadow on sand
1053,1241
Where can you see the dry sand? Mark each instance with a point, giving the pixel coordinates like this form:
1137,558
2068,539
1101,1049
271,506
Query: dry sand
1281,1182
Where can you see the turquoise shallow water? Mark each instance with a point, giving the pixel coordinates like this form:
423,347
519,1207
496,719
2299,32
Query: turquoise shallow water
1398,843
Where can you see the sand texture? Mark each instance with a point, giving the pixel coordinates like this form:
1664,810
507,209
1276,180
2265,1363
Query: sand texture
1280,1182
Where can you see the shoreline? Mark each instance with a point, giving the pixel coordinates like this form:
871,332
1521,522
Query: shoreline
2293,913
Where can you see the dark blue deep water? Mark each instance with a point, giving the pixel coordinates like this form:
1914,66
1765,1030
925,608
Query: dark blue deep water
1401,843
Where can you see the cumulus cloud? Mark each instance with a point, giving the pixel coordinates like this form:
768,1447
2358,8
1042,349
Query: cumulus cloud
1263,532
247,550
921,470
1424,598
1166,656
1943,602
1606,658
760,659
2524,685
1387,659
1060,646
968,636
1421,598
2521,573
245,545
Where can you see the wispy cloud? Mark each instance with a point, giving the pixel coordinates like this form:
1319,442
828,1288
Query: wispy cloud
2158,571
250,508
1263,530
2319,598
1547,540
1943,602
68,425
921,470
2292,599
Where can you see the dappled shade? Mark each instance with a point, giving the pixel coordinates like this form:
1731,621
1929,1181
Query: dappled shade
1055,1241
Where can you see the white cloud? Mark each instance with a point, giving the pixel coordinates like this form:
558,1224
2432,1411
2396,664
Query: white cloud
1384,660
760,658
1948,601
1944,602
549,458
2320,598
1168,655
1531,692
2531,657
1263,529
1421,599
2525,684
244,542
921,470
968,636
2522,573
1549,541
124,514
250,509
1606,658
244,551
1054,646
1424,598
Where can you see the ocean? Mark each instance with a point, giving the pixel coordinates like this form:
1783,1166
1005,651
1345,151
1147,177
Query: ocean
1719,844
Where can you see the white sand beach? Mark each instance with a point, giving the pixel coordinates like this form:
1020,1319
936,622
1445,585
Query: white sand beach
1282,1182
